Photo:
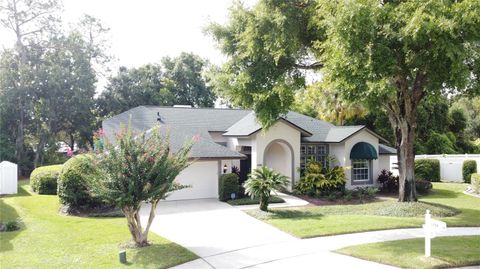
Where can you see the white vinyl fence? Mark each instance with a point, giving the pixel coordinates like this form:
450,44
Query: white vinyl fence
450,165
8,178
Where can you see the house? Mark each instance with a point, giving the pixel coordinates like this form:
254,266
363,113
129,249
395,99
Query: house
233,138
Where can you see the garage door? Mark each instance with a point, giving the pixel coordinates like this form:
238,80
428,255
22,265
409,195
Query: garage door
202,176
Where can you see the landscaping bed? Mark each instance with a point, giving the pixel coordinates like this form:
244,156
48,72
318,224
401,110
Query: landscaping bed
254,201
47,239
451,251
446,202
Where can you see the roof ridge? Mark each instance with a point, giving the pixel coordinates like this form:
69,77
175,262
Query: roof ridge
195,108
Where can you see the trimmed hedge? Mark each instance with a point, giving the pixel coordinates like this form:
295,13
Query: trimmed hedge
427,169
43,180
228,184
469,167
74,180
475,182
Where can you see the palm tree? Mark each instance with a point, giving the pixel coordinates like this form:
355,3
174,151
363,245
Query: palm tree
261,182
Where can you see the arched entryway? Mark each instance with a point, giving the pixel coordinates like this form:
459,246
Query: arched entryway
278,155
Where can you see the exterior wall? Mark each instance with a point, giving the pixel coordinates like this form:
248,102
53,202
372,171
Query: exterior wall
278,132
279,157
337,150
202,176
362,136
384,162
8,178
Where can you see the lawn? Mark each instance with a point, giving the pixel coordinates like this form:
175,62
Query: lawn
447,203
446,252
49,240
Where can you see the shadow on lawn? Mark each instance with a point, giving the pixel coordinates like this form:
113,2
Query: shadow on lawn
442,194
293,214
7,213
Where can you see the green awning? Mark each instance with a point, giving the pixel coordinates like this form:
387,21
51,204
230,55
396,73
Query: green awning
363,151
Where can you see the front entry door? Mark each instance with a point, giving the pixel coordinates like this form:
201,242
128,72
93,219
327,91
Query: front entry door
245,168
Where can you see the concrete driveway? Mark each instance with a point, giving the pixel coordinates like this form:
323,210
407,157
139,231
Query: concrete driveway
225,237
208,227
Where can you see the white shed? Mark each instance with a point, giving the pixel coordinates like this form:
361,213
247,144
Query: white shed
8,178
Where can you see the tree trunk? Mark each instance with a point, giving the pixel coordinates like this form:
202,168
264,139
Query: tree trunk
406,163
264,203
39,151
139,236
402,113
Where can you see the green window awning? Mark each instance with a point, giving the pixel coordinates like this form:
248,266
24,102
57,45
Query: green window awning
363,151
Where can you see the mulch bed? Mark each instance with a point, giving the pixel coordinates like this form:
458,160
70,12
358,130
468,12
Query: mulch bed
322,201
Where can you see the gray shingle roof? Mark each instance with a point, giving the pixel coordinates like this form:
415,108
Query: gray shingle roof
386,150
183,123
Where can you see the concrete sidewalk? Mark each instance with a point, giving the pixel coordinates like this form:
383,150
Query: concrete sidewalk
310,253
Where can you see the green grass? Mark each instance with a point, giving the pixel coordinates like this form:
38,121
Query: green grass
255,201
49,240
447,202
446,252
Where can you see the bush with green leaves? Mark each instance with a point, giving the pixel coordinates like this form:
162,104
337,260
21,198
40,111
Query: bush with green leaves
469,167
75,180
318,180
43,180
423,186
475,183
228,184
261,182
427,169
361,193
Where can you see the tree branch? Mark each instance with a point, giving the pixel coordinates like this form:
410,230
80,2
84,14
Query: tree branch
313,66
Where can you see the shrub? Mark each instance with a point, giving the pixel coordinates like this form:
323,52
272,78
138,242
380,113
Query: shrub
475,182
468,168
389,182
361,193
43,180
12,225
262,182
74,182
427,169
423,186
228,184
318,180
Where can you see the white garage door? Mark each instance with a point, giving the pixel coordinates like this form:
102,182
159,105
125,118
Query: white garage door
202,176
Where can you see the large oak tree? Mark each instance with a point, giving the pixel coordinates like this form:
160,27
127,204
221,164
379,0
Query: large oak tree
385,54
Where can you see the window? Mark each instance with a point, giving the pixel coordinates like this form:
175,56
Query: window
360,170
317,152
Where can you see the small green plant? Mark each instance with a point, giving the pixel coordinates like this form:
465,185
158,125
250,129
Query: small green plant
469,167
423,186
475,183
43,180
262,182
320,181
228,184
427,169
363,193
11,225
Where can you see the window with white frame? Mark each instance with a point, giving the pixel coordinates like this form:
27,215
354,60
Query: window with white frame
317,152
360,170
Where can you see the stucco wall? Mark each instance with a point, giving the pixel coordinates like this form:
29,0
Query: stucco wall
202,176
362,136
280,131
337,150
384,162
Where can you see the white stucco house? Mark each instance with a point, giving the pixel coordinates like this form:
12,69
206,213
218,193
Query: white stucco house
233,138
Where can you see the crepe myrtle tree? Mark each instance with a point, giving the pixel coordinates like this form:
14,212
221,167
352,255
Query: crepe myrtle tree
261,182
140,168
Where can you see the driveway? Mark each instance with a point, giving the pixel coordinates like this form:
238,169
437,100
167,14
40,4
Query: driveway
225,237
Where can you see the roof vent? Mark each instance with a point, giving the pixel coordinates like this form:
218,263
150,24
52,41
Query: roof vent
183,106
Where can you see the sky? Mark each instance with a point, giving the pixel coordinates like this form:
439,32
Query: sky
144,31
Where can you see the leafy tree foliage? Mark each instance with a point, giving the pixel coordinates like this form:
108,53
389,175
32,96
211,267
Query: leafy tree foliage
183,76
176,81
388,55
139,168
261,182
